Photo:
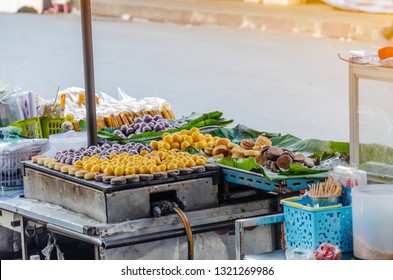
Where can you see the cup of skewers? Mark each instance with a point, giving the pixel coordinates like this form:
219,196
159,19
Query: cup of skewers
326,193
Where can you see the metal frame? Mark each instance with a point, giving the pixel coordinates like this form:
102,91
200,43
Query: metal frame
356,72
89,72
242,224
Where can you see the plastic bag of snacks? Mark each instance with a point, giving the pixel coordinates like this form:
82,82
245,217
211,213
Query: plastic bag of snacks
327,251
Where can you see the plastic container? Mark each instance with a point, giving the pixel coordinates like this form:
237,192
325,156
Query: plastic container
50,126
346,198
11,166
372,210
325,201
39,127
64,141
308,227
31,128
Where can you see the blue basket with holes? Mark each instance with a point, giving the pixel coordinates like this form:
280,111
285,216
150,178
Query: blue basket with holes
308,227
255,180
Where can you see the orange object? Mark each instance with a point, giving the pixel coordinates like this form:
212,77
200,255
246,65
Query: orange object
385,52
62,99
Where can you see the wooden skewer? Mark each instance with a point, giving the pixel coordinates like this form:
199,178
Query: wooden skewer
328,188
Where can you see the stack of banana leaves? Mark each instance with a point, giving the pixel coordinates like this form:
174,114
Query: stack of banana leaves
205,122
376,159
325,154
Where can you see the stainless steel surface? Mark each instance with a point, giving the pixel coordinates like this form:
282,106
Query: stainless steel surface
10,220
135,203
75,197
79,236
212,245
208,245
117,206
200,217
89,72
50,213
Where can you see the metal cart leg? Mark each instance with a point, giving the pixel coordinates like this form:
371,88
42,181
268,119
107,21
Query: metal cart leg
23,239
354,116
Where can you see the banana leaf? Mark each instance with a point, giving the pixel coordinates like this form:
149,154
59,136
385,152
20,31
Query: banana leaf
306,146
295,171
194,120
328,153
240,132
377,160
310,146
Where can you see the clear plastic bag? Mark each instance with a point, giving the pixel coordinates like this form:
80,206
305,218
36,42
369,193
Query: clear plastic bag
299,254
327,251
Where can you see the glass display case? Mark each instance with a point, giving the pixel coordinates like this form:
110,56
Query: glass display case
371,120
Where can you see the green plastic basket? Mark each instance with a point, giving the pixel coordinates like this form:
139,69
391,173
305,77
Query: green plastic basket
50,126
39,127
31,128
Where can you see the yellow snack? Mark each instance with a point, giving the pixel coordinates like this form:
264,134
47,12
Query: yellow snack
177,137
95,168
194,157
165,146
58,166
69,118
73,170
171,166
90,175
63,101
35,158
190,163
81,173
64,168
154,144
144,169
168,139
154,168
85,158
78,163
193,129
200,161
157,160
52,164
119,171
197,136
144,152
175,146
200,144
49,160
88,166
184,145
109,170
188,139
162,167
130,171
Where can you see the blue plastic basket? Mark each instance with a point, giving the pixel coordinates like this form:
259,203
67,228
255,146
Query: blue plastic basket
308,227
251,179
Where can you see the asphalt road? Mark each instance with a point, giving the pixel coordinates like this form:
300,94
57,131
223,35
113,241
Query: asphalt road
273,83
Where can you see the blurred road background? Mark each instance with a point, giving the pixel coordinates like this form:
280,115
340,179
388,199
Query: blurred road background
279,81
